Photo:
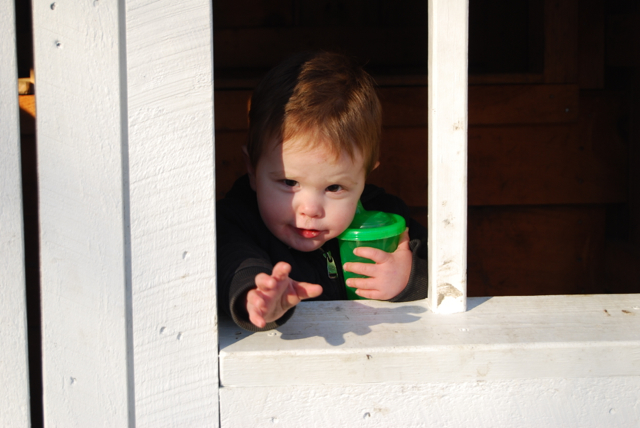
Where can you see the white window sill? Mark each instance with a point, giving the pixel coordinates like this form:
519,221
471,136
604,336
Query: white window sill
498,338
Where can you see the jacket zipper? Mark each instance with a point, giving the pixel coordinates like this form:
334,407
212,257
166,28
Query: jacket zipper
332,270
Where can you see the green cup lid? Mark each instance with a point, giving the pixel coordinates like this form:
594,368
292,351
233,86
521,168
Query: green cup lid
373,225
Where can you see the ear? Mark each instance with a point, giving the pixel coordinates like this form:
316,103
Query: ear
375,166
251,171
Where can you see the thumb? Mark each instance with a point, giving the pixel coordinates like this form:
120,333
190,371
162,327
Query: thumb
404,240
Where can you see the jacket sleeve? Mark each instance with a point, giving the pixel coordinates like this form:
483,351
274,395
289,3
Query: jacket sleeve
417,286
240,258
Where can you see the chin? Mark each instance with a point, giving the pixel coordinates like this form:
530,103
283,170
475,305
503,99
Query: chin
305,246
308,247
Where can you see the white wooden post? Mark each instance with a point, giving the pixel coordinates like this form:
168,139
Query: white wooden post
14,398
448,41
125,157
171,162
86,295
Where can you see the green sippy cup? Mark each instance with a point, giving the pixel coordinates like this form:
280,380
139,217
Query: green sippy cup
375,229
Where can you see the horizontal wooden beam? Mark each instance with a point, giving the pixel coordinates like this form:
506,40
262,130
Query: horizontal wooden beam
407,106
377,343
488,105
523,104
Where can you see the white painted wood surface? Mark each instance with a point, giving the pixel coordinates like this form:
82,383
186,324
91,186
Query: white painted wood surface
171,160
125,151
522,403
507,361
85,285
448,59
14,395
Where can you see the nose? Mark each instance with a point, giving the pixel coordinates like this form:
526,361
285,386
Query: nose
310,205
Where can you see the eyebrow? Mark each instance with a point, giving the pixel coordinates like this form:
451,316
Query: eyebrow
276,173
341,179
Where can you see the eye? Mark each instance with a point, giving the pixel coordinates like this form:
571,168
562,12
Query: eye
290,183
334,188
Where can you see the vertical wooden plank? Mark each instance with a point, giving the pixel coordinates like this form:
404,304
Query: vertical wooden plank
171,167
447,158
591,17
13,316
561,41
86,360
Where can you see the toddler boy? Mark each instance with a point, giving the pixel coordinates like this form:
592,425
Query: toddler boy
314,133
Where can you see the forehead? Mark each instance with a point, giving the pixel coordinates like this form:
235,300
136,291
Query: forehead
295,158
315,144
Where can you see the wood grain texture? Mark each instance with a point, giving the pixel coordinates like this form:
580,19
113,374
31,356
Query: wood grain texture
13,311
536,250
523,104
403,164
544,165
126,171
498,338
172,221
543,403
584,162
447,157
83,257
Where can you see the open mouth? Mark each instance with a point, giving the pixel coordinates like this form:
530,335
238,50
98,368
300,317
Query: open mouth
308,233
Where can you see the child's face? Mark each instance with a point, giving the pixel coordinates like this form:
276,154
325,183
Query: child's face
305,196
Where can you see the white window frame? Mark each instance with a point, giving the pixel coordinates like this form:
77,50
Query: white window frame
126,170
124,96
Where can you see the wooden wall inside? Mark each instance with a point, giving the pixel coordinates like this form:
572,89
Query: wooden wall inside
554,140
553,144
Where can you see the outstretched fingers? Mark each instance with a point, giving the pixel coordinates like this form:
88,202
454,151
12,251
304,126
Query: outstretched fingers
306,290
281,271
256,308
275,294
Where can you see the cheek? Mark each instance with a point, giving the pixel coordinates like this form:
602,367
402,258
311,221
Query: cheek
273,206
342,215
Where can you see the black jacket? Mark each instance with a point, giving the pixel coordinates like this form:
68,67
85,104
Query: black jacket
246,248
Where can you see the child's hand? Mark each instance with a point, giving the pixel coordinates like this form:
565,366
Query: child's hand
388,276
275,294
